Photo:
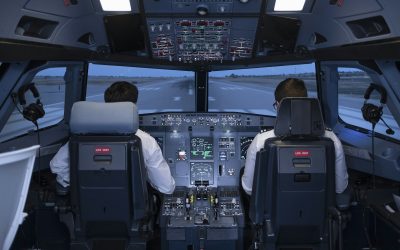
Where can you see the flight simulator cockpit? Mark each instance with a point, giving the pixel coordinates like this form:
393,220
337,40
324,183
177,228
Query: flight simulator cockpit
206,71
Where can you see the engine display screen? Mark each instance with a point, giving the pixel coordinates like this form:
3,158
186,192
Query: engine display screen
201,148
201,171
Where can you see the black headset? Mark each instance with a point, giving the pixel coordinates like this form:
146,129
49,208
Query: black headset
371,112
33,111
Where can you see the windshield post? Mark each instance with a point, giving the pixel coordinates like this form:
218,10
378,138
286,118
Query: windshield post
201,81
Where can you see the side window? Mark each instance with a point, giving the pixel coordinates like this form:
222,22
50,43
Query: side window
352,85
51,86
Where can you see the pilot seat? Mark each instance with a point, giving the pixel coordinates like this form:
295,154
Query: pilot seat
294,181
109,198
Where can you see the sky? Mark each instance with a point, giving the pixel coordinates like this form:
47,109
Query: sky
107,70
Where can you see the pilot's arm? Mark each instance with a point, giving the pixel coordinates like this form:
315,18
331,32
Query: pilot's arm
341,176
255,146
158,171
59,165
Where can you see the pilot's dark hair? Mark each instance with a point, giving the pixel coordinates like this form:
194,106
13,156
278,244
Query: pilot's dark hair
290,87
121,91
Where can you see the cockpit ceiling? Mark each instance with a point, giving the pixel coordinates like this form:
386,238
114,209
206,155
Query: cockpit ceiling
200,31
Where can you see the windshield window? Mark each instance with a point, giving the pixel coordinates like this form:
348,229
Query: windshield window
252,90
159,90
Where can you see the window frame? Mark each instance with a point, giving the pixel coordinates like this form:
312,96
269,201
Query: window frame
374,76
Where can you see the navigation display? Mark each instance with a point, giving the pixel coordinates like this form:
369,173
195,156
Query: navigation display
201,148
245,142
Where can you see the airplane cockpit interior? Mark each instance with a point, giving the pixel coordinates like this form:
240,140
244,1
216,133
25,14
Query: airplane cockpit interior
200,124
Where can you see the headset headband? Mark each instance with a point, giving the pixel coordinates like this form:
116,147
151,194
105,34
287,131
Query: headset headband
378,88
24,89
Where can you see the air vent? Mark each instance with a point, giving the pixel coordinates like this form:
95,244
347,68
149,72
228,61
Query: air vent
319,38
87,38
369,27
35,27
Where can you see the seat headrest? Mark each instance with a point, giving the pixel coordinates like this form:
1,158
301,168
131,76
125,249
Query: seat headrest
104,118
299,116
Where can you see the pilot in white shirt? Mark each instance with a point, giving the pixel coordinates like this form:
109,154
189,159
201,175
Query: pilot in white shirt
158,171
292,87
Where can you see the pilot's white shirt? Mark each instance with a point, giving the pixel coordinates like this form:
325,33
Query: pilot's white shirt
341,176
158,172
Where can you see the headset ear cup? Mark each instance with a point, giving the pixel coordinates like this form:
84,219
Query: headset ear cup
371,113
40,110
33,112
29,113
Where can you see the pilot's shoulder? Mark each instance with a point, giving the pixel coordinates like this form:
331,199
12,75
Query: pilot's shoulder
265,134
142,134
329,132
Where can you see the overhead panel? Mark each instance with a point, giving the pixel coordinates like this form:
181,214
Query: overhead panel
202,30
201,39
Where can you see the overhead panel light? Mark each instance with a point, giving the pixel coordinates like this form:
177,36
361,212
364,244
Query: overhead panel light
116,5
289,5
202,10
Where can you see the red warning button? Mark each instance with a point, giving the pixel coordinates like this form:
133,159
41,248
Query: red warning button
102,150
302,153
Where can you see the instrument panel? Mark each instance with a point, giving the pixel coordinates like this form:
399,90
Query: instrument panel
207,149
